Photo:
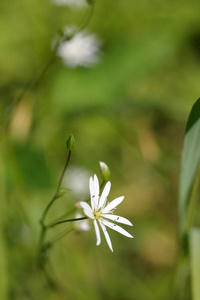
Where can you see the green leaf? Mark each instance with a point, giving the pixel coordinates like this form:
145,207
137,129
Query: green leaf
195,262
189,164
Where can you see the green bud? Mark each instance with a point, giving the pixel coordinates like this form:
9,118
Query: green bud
71,143
104,171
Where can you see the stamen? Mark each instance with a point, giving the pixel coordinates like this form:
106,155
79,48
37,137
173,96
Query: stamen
97,214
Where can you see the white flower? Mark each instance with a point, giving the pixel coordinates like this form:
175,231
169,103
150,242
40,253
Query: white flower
77,179
81,50
82,225
71,3
101,211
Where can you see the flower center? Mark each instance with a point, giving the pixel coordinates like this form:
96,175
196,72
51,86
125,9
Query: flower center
97,214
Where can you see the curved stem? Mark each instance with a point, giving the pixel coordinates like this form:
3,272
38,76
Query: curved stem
57,191
46,210
85,21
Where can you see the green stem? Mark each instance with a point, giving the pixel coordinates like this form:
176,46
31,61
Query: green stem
43,226
83,24
33,83
43,231
57,191
102,185
64,215
63,173
64,221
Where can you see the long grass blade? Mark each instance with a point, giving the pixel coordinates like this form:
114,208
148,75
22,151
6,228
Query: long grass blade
189,164
195,262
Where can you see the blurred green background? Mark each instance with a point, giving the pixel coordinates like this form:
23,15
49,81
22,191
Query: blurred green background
129,111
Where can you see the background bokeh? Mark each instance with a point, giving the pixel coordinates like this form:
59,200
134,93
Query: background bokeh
129,110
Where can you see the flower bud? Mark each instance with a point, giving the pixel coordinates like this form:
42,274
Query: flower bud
71,143
104,171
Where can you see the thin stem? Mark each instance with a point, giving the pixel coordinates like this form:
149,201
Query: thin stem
64,215
102,185
50,280
42,234
57,191
49,62
47,208
42,245
85,21
65,221
43,226
38,77
33,83
49,277
63,173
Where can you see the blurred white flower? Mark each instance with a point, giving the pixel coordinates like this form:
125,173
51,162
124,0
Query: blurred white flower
81,50
71,3
82,225
77,180
101,211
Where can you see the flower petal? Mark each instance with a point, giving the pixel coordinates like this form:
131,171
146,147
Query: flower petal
82,225
104,195
97,231
106,235
116,228
113,204
92,192
96,188
117,219
87,209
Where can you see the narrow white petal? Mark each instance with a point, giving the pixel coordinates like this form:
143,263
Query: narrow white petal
96,184
104,195
97,231
116,228
87,209
92,192
117,219
106,235
113,204
96,189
